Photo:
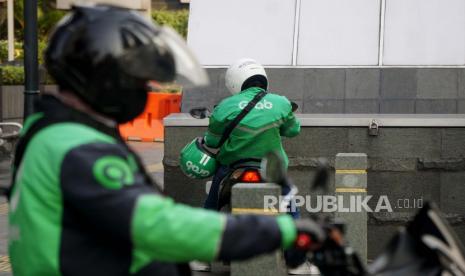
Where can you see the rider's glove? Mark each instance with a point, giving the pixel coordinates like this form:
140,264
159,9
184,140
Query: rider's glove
310,236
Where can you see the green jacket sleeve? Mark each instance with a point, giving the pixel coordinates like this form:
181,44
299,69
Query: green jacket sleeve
166,231
109,192
291,126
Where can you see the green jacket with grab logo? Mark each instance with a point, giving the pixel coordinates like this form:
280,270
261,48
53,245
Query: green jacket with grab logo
258,133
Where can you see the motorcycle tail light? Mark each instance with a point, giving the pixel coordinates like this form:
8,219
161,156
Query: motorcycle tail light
251,176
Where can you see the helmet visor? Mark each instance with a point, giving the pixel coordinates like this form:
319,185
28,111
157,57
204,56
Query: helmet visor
165,62
189,73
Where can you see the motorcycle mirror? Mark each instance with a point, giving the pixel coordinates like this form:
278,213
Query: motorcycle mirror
295,106
200,112
320,181
272,168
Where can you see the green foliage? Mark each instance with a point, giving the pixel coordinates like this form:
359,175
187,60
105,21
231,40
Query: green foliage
4,50
166,88
14,75
175,19
19,52
11,75
48,16
42,47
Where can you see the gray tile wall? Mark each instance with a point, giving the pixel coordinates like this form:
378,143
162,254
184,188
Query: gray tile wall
387,90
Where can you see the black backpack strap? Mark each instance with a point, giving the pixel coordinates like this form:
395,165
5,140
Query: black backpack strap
241,116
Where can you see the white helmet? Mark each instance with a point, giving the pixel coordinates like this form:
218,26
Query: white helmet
245,71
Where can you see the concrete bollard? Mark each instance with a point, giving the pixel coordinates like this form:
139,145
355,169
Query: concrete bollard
246,199
351,186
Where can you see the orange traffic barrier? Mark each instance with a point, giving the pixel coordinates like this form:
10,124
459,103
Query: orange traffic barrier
148,127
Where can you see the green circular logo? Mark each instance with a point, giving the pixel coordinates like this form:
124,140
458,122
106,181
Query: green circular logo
113,172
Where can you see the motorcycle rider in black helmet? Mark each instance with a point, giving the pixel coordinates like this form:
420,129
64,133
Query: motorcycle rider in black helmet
81,202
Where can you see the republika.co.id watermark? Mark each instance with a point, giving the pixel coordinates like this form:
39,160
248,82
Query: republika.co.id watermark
342,204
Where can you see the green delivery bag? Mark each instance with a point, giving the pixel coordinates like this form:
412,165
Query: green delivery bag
197,161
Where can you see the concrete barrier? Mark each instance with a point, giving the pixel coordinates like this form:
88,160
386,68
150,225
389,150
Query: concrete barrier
351,187
245,199
412,157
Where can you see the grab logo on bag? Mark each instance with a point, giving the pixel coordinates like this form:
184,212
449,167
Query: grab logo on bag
192,167
260,105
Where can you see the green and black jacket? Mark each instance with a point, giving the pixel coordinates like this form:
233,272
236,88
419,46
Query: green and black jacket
257,133
82,204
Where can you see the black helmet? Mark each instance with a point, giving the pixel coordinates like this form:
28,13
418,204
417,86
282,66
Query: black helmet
107,55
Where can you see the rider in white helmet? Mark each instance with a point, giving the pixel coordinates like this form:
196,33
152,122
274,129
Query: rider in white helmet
258,133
